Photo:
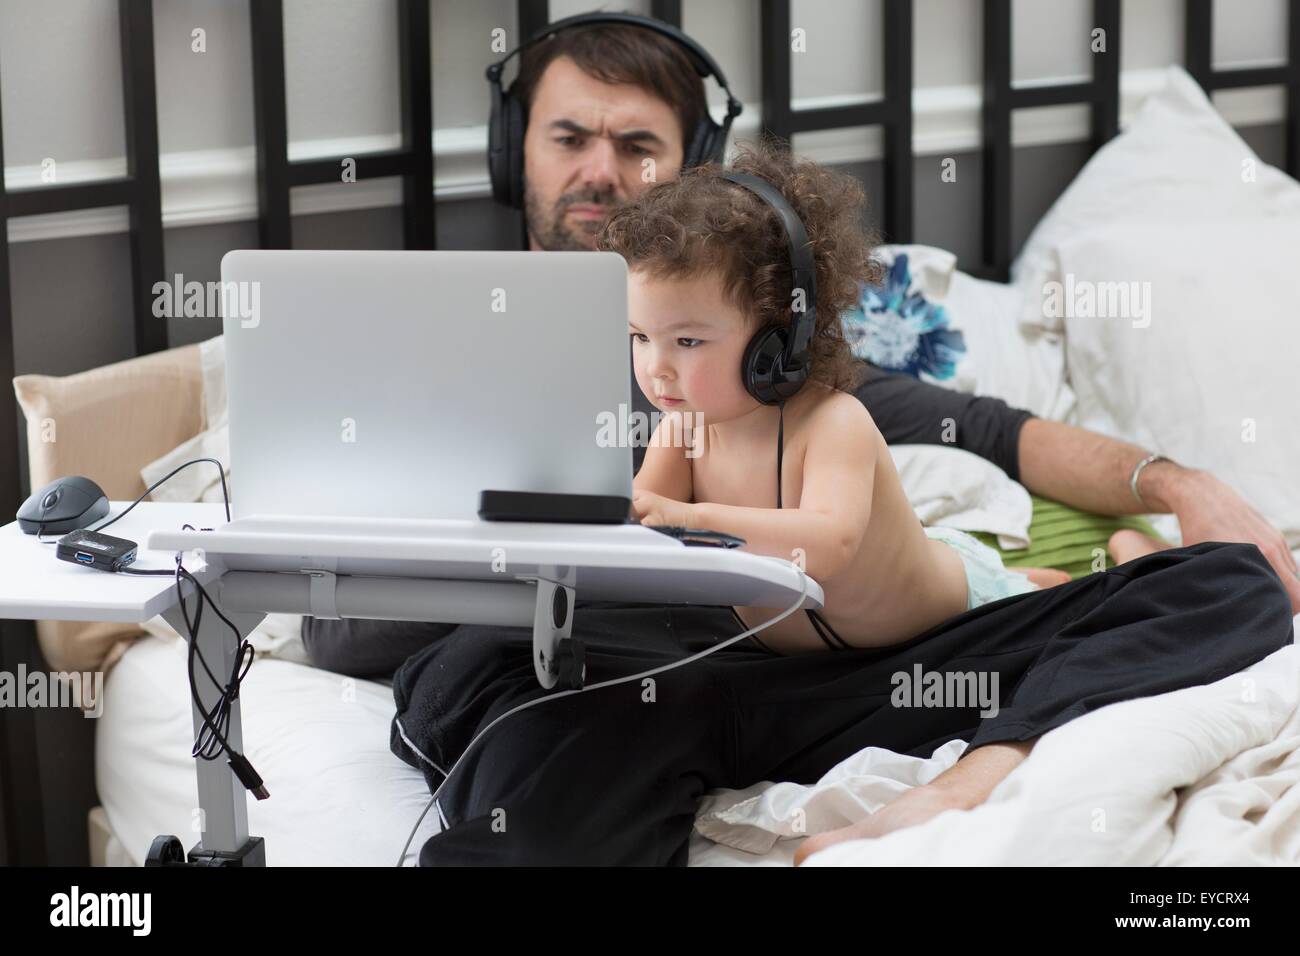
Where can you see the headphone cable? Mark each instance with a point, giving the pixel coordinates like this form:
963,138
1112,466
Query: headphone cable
699,655
780,447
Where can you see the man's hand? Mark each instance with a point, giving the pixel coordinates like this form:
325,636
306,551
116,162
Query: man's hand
655,509
1209,510
1091,472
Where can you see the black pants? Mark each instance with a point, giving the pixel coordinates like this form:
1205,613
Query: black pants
615,775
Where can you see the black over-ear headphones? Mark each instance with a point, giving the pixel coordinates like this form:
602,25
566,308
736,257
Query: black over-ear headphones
507,123
777,361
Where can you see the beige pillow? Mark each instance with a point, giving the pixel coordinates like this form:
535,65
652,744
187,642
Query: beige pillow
107,424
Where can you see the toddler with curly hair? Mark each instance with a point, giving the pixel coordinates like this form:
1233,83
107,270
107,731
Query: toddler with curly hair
809,478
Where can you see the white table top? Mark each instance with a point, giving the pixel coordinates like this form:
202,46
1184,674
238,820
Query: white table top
36,585
604,562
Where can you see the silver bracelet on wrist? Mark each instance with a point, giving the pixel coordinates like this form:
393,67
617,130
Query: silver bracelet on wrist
1137,470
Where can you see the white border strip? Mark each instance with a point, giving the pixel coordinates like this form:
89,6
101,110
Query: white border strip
217,186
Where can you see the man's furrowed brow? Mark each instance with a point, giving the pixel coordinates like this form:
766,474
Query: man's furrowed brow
631,136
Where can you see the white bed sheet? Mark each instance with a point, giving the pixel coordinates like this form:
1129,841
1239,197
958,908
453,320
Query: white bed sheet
1203,776
320,741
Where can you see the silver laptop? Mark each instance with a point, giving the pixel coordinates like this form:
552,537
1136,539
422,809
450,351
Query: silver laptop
403,384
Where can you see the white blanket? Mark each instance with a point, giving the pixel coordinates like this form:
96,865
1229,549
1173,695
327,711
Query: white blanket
1206,775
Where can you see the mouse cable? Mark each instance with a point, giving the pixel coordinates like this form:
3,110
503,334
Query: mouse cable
211,740
45,507
803,594
225,496
225,493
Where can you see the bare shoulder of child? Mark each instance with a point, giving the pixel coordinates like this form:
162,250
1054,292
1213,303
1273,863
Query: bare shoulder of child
885,581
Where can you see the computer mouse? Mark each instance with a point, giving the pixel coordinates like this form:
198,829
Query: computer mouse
64,505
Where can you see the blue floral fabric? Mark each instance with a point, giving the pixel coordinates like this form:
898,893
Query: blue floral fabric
895,328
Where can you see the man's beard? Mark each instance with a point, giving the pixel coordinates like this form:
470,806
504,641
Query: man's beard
552,231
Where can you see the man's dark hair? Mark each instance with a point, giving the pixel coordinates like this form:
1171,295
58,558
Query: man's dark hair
617,53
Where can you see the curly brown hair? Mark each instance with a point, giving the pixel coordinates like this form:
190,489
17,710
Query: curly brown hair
702,224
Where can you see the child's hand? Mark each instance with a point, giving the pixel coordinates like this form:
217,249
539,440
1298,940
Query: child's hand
655,509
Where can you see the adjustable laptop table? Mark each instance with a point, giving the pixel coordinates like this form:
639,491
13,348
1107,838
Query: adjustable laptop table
471,572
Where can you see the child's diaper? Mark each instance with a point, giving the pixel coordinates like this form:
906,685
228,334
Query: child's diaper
986,578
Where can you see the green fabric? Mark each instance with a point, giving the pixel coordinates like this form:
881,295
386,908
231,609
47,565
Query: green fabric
1064,538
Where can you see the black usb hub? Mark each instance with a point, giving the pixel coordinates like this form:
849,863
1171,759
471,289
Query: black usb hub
95,550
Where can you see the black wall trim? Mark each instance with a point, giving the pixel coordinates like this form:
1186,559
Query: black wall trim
413,162
893,112
138,190
1199,55
1001,98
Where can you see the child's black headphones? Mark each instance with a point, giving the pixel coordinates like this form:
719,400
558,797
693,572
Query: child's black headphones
777,362
507,123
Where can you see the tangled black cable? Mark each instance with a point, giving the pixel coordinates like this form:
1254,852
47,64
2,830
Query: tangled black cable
211,741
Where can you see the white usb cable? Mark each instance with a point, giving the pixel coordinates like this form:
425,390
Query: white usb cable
803,594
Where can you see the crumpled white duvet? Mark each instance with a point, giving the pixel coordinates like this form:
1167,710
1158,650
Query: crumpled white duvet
1207,775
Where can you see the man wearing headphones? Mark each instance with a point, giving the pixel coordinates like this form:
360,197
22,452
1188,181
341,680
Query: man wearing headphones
599,112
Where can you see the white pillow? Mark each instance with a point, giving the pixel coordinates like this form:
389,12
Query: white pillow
1025,367
199,482
1178,161
952,330
953,488
1206,372
901,323
279,635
